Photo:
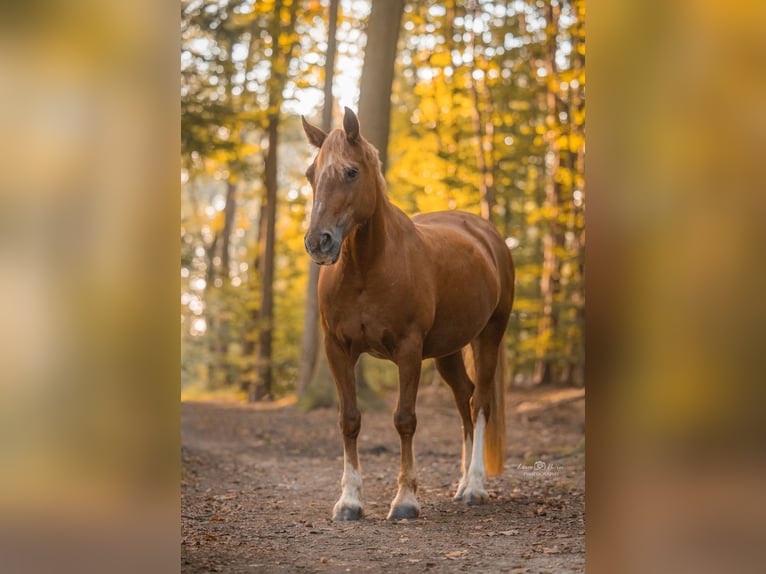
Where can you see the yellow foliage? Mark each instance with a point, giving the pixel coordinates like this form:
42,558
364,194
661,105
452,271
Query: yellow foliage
564,177
576,141
216,223
242,221
441,59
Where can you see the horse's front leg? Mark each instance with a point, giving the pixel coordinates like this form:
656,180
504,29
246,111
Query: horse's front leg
349,505
405,504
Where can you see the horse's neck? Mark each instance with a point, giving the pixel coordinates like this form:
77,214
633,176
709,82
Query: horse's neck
368,242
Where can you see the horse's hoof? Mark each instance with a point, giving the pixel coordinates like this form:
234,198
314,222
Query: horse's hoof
474,497
346,513
403,511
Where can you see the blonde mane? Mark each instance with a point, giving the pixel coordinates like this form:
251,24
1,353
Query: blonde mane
333,154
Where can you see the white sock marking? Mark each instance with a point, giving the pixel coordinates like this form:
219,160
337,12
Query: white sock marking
465,465
476,473
467,449
351,484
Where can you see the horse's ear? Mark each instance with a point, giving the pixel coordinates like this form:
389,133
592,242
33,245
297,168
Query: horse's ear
315,136
351,125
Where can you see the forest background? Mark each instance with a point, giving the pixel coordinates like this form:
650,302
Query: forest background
89,280
487,114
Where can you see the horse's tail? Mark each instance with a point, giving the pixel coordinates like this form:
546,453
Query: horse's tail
494,441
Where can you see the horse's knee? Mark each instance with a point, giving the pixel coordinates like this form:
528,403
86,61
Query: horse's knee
405,422
350,423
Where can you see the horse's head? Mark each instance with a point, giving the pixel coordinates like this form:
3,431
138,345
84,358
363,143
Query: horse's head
344,177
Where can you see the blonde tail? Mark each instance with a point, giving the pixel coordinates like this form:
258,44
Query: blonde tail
494,441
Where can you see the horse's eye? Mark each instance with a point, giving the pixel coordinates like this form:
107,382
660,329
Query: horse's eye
351,173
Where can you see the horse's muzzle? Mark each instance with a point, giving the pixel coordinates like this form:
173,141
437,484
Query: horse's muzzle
323,247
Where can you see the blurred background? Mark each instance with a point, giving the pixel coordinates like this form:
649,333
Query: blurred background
89,140
477,105
89,245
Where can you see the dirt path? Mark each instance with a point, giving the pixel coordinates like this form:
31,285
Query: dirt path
259,484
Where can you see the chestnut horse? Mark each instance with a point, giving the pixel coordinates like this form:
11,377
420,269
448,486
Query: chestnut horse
404,290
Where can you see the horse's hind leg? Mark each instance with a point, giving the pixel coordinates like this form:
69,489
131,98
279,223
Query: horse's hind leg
452,370
486,348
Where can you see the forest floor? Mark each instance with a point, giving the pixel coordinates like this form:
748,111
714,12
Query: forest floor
259,483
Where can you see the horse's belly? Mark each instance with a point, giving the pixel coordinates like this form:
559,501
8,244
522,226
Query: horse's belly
461,313
447,337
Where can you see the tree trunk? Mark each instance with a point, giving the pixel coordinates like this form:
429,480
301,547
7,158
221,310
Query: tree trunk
484,130
378,74
266,317
228,222
375,94
544,369
262,386
332,26
213,370
223,374
310,339
577,374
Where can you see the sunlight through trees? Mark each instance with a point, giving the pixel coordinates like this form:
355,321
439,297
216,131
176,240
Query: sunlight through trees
487,115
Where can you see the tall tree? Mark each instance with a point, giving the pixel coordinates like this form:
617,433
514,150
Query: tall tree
481,115
310,338
220,373
375,97
378,73
283,43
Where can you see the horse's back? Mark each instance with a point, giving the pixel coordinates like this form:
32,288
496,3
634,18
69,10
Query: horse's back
460,221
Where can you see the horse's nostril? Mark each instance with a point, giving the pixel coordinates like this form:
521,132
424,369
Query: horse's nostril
325,241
